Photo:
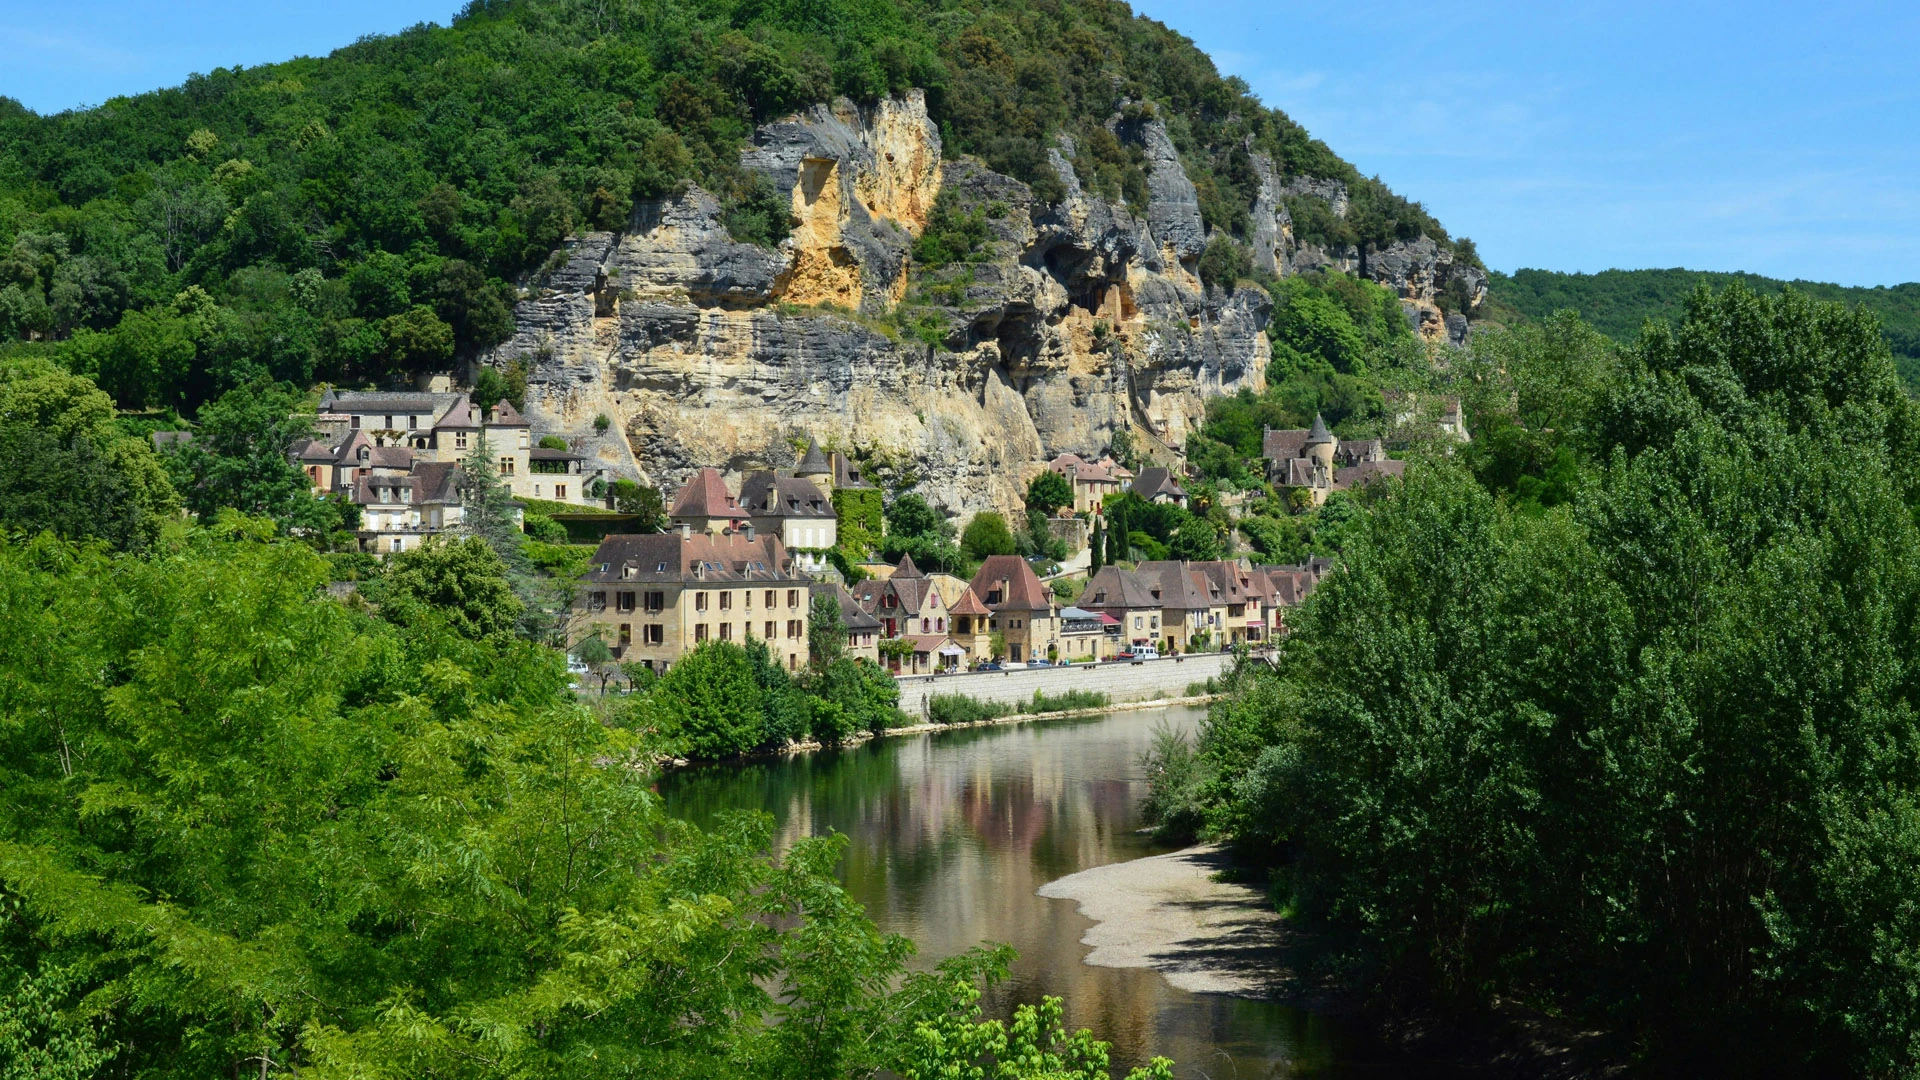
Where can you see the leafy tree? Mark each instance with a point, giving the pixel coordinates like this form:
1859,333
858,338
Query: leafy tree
70,470
715,700
1670,707
463,581
826,630
238,459
303,781
860,696
1049,492
599,659
987,534
642,500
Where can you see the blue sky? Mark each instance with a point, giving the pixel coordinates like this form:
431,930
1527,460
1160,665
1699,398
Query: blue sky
1782,139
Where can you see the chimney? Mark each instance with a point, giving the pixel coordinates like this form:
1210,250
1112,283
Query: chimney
686,531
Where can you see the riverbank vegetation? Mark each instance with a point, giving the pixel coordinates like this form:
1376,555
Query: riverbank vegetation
1613,715
961,709
247,828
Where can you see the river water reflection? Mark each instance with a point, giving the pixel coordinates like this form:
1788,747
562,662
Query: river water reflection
952,833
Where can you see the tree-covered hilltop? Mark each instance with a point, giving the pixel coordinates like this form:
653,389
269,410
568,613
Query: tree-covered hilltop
366,213
1619,302
1612,713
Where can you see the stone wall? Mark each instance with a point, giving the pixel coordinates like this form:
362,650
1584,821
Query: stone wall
1120,680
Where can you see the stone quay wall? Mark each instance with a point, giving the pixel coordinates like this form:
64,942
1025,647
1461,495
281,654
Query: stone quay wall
1120,680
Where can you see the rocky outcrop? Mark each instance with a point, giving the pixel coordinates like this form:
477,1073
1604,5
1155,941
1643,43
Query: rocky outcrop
1075,321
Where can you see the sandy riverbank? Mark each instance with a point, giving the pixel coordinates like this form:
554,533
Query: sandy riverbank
1171,914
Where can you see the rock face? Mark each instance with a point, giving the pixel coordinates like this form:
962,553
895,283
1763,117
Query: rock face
1075,321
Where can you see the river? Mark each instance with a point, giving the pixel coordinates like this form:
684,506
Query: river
951,834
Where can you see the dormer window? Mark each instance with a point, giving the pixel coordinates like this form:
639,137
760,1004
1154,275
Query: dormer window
660,569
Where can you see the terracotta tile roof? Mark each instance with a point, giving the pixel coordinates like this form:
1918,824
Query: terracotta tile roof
906,569
968,604
705,495
1010,576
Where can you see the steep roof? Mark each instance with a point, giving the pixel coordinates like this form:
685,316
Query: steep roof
968,604
660,558
1157,481
851,616
1357,451
1020,588
814,463
1368,471
391,457
503,414
845,475
906,569
1112,587
1319,434
1283,444
1179,589
768,494
462,414
1226,575
705,495
436,483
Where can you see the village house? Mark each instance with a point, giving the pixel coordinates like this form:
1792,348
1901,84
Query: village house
1091,483
1088,637
1157,485
654,598
906,602
1318,463
441,425
1127,598
1021,607
796,511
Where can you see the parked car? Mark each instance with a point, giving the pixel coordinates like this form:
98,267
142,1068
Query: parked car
1140,652
1039,662
988,665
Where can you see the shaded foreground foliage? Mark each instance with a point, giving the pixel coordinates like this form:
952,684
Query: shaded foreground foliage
1647,758
246,829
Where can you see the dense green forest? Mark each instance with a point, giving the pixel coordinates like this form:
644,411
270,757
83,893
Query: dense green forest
1618,302
1613,716
370,213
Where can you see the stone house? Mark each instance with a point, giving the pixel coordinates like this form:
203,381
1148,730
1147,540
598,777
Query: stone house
1158,485
1126,597
1091,482
654,598
796,511
1089,636
906,602
1319,463
1020,605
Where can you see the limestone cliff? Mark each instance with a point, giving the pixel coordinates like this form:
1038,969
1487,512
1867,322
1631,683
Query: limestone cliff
1076,320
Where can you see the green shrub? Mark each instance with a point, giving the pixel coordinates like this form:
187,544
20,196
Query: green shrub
960,709
1044,702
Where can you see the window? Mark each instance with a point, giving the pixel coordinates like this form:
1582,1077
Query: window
656,634
396,543
940,626
523,440
626,634
389,424
926,625
559,491
726,630
413,423
773,629
699,631
597,601
506,466
459,440
699,601
772,599
355,423
793,598
656,601
726,601
626,601
793,628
